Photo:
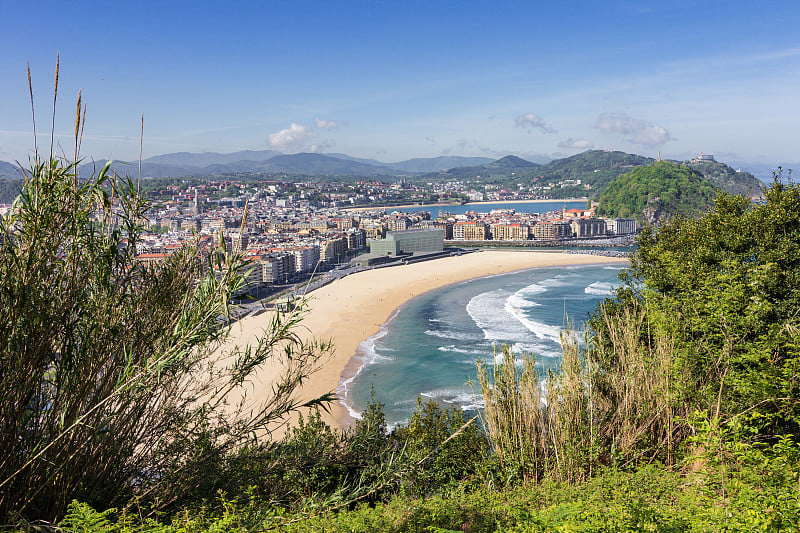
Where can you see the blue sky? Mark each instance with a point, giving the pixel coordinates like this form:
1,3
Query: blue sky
395,80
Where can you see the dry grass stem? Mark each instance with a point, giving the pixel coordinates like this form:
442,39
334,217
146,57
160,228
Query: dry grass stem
55,98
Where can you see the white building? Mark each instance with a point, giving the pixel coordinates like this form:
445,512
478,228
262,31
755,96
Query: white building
622,226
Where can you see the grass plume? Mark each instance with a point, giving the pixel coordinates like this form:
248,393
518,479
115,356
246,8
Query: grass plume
55,98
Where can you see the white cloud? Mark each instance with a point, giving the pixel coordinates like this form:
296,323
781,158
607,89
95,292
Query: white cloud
297,137
576,144
326,124
635,130
430,139
292,138
530,121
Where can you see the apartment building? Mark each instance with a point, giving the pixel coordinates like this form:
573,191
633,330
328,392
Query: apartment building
470,231
446,226
510,232
305,257
277,267
356,239
334,249
399,223
551,229
621,226
345,223
588,227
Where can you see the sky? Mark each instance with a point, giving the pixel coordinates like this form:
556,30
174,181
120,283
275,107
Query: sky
397,80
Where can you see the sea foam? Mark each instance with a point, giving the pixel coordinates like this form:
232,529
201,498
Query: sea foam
365,356
600,288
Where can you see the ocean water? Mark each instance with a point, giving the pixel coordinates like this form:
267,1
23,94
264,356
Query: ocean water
430,345
519,207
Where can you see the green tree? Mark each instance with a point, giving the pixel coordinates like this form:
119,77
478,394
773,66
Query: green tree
723,289
232,190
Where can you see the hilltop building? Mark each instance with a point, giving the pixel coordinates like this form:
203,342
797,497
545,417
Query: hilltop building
704,158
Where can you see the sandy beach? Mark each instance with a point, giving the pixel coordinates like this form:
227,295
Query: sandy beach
350,310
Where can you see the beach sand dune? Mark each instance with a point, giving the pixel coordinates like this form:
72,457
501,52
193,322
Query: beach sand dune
353,308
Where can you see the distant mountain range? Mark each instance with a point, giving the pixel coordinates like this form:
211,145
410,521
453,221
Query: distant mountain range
184,164
584,174
9,170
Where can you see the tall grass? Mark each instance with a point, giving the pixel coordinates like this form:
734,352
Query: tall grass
637,382
513,416
107,388
611,403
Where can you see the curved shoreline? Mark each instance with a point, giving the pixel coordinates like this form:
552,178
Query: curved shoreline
353,309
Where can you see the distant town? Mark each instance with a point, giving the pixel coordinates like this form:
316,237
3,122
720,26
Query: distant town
290,231
303,230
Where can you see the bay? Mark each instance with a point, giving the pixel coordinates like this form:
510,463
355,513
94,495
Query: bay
519,207
429,347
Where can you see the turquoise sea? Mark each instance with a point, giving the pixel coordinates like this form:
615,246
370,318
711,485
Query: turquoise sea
519,207
430,345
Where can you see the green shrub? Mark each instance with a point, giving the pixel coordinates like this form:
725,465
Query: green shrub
440,449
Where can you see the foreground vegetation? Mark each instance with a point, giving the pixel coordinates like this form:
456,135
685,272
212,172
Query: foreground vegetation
118,412
680,414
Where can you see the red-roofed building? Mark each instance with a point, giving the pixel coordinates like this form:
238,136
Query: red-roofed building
151,258
510,232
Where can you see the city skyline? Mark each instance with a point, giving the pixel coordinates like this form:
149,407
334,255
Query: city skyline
395,81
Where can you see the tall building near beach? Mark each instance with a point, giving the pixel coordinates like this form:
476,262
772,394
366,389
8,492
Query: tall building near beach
408,241
588,227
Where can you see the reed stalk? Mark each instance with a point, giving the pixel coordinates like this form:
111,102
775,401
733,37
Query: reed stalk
114,386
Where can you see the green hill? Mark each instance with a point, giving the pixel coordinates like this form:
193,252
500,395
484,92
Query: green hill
597,167
594,169
726,178
657,192
510,163
9,170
